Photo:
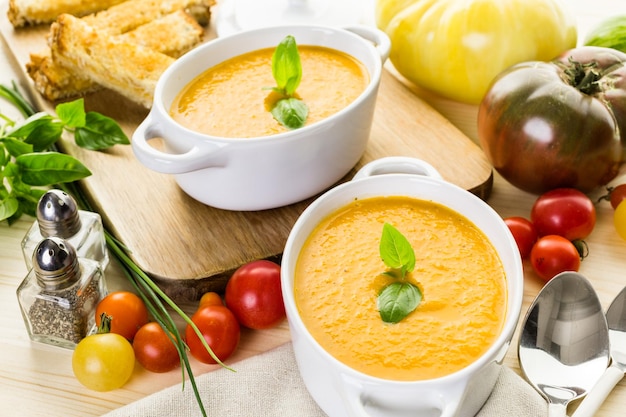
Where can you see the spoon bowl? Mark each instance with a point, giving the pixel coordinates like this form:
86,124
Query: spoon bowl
616,320
564,344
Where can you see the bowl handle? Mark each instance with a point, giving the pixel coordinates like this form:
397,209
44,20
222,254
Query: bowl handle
194,159
379,38
446,404
397,165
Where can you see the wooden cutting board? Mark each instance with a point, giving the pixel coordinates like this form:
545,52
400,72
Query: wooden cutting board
190,248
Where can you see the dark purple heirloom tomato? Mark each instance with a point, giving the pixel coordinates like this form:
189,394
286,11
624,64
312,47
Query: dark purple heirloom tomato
546,125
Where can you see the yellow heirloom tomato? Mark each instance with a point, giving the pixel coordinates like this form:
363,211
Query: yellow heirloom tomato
455,48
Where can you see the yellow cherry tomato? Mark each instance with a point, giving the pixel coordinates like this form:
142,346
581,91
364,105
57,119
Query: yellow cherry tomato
103,361
619,219
457,47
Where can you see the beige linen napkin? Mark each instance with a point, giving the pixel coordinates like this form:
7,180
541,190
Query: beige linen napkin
269,385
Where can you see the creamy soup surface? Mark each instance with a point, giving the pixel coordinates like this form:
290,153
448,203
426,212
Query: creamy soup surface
338,277
232,99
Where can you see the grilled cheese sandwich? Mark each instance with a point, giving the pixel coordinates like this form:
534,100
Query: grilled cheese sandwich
173,35
34,12
128,68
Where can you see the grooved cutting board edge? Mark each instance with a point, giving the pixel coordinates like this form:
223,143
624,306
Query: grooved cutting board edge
190,248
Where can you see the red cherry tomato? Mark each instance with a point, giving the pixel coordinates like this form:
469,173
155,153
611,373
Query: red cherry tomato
523,232
211,299
552,255
617,194
254,295
154,350
220,329
565,212
128,312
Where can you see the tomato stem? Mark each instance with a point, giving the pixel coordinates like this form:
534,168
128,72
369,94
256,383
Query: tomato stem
607,196
581,247
583,77
105,324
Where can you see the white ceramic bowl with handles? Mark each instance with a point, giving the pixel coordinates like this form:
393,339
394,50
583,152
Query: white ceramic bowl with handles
342,391
263,172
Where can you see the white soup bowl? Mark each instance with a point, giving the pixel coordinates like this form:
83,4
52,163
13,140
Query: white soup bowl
342,391
262,172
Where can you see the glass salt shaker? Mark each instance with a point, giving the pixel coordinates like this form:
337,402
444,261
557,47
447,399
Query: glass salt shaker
58,215
59,295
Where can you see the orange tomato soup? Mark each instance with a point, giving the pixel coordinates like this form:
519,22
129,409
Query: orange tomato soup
233,98
338,277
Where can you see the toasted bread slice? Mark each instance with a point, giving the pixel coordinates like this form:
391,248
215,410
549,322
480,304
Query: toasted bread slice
133,13
55,82
173,34
34,12
201,11
128,68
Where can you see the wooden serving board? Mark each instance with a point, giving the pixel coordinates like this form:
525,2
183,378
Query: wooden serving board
190,248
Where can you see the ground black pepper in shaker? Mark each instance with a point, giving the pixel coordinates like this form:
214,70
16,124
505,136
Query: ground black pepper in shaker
59,295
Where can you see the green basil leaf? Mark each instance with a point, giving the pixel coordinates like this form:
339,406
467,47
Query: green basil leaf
24,191
8,207
100,132
29,199
397,300
14,218
10,170
286,66
5,156
41,130
395,250
16,147
290,112
24,129
46,168
44,135
393,273
72,113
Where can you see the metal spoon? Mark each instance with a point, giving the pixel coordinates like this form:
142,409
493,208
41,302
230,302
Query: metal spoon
564,345
616,319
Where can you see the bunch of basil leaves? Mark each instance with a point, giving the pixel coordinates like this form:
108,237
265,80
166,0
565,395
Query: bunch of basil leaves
28,161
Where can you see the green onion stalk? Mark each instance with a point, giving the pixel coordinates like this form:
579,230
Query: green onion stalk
153,296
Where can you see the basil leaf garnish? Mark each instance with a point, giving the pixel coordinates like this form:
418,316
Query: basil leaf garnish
401,297
397,300
286,66
395,250
290,111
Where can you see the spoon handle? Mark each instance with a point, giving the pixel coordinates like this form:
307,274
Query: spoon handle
594,399
557,410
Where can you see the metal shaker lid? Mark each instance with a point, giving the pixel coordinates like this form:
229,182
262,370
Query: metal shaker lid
57,215
55,263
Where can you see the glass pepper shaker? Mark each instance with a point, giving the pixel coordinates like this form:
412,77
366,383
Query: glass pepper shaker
58,215
59,295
